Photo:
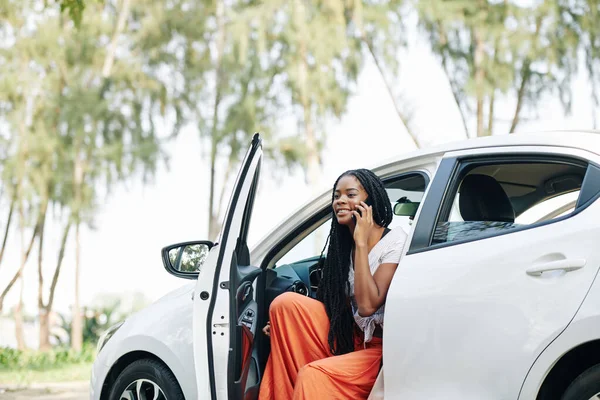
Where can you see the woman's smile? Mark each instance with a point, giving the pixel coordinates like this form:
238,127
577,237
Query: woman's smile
347,195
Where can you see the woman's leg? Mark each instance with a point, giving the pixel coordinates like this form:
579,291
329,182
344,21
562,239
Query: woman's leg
299,329
350,376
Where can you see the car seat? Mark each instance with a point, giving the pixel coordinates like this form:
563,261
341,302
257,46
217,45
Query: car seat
484,207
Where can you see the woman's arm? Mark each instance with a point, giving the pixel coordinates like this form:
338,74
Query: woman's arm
370,290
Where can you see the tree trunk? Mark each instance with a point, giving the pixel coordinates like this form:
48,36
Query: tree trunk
490,127
454,88
19,331
21,268
213,219
46,309
77,327
25,256
19,308
112,48
44,318
456,95
480,130
526,73
40,265
479,80
7,228
401,115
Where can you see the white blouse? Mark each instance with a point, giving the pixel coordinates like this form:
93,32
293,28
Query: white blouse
387,251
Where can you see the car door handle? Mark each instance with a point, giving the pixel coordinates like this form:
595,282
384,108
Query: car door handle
559,265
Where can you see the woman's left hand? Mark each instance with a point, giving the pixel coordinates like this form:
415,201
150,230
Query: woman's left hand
364,223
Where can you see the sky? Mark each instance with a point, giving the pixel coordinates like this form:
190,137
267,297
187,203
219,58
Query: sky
122,254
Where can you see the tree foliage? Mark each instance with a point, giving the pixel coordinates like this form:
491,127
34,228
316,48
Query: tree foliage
75,127
516,49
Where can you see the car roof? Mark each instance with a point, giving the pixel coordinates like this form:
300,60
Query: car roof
578,139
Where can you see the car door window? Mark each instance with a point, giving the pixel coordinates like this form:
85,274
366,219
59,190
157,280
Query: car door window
310,246
405,192
495,197
547,210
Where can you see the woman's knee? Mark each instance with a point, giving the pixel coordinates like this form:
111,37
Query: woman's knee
284,301
308,373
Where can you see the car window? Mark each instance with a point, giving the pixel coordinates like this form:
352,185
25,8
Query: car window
492,198
405,193
547,210
310,246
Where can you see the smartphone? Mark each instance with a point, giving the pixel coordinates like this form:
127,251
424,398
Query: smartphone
367,202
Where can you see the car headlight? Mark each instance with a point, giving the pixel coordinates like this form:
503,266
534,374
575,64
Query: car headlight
105,337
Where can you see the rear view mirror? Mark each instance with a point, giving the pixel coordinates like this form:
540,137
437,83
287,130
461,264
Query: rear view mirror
406,209
184,260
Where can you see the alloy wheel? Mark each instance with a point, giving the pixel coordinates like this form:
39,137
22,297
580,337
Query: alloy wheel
143,389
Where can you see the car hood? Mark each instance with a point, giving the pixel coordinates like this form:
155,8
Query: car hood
181,291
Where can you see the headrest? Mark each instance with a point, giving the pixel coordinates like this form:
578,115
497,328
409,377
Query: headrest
483,199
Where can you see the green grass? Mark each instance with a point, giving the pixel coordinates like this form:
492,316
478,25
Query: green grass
62,373
60,364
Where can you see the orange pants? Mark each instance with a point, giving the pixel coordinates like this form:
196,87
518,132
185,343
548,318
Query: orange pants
301,365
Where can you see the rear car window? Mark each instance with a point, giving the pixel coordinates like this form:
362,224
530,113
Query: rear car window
487,199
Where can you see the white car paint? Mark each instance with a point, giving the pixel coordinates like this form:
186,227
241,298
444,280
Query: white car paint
584,328
474,304
424,330
164,330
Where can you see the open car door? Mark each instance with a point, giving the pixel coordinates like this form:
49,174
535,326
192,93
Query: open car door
224,306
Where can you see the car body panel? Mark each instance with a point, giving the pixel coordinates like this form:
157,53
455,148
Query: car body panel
163,329
468,321
584,328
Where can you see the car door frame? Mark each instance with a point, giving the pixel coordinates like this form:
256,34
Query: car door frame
213,335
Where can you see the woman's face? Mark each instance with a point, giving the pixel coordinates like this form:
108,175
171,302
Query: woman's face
346,196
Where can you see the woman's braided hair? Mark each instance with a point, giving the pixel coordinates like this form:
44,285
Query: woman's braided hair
334,286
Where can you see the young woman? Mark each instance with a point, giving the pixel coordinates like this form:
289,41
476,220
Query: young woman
331,348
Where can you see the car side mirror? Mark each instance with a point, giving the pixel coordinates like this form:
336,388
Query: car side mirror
184,260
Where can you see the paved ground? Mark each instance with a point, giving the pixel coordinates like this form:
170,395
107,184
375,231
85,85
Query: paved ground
49,391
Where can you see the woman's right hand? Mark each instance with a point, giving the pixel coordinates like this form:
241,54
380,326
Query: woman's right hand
267,329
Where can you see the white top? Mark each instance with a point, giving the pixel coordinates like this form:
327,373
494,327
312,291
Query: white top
387,251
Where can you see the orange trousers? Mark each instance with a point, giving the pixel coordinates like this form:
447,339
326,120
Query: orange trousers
301,365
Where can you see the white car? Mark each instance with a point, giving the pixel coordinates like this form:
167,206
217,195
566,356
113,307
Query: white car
495,297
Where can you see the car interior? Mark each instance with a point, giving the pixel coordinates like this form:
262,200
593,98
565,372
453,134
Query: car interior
491,198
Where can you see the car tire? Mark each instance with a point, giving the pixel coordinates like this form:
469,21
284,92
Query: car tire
151,376
585,387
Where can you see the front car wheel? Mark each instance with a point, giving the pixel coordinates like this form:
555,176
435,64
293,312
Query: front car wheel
146,379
